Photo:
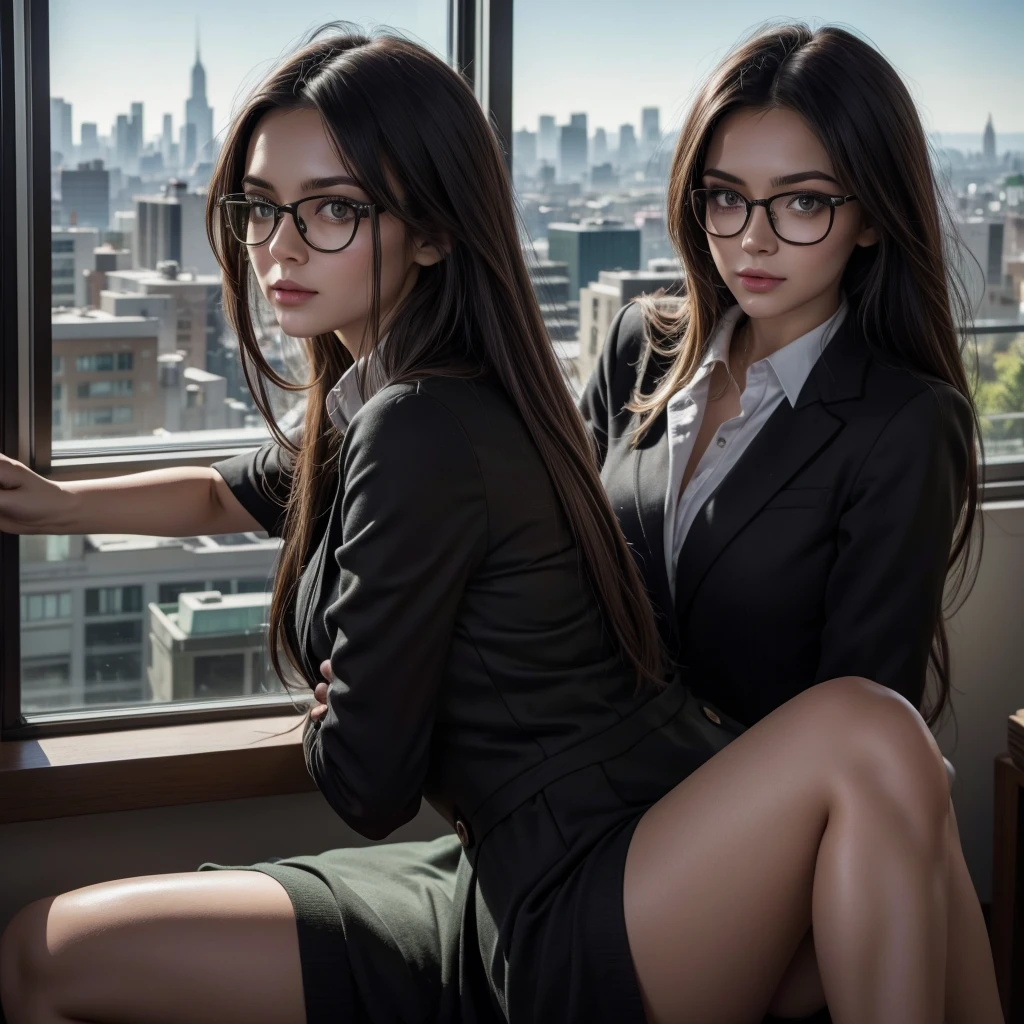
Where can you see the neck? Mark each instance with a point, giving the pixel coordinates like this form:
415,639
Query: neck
768,334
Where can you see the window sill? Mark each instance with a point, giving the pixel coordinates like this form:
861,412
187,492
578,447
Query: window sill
59,776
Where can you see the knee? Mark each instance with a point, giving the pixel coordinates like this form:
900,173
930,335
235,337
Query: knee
26,979
883,743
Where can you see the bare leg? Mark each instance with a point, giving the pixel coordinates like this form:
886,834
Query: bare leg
832,811
971,993
191,948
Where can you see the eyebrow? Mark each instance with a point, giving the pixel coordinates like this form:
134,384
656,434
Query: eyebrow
785,179
312,185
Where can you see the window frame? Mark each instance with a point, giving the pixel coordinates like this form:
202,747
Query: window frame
479,44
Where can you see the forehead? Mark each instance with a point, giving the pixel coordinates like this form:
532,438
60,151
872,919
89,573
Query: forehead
288,146
757,145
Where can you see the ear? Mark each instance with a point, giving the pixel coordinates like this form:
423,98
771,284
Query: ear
427,253
868,235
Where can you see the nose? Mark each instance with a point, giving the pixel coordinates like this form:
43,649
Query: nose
286,244
758,236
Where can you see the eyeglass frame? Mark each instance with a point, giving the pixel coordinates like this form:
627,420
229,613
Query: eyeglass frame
831,201
362,210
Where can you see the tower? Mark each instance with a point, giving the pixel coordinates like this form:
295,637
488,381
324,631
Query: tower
989,141
197,112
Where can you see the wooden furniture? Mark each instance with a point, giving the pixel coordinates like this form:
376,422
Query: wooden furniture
1008,887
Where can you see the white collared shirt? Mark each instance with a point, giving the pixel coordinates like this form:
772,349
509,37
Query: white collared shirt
779,375
344,399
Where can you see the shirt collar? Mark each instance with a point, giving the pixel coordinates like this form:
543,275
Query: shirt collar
344,400
793,362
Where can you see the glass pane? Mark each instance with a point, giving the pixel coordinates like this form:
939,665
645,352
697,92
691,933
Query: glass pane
141,351
139,337
592,150
138,620
1000,394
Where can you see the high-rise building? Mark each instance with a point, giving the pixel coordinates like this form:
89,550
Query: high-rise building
172,226
85,196
90,148
60,130
591,246
123,142
199,114
167,140
187,146
650,128
572,149
524,152
627,146
136,138
71,255
599,149
603,298
547,139
989,141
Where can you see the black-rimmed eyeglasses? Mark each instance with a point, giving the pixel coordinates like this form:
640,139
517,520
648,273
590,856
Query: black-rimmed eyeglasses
799,218
326,223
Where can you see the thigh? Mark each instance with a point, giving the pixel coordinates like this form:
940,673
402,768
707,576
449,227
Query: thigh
189,948
719,878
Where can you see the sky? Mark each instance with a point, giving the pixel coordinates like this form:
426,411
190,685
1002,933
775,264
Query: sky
606,57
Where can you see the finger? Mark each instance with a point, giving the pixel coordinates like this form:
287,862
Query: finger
326,671
320,692
318,712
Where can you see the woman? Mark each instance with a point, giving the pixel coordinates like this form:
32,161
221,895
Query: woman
492,648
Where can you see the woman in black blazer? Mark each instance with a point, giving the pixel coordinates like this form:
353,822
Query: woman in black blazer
456,561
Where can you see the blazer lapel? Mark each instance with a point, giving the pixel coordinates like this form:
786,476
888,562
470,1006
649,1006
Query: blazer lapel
792,436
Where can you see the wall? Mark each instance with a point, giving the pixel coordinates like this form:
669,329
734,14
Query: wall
40,858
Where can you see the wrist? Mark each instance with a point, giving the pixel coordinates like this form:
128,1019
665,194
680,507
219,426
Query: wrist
68,512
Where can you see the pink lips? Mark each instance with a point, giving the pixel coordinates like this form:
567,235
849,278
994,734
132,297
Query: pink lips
291,295
754,281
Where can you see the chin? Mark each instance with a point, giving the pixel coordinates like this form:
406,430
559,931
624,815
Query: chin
300,324
764,307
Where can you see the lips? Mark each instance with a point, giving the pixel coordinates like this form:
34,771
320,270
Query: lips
751,272
288,286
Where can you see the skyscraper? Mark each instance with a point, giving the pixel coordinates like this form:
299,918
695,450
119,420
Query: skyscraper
627,145
85,196
60,128
599,152
167,138
199,113
650,128
547,139
135,136
572,148
989,141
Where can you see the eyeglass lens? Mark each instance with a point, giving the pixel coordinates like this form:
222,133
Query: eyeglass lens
801,217
325,222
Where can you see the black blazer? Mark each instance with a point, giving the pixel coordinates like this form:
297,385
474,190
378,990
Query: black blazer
823,552
468,646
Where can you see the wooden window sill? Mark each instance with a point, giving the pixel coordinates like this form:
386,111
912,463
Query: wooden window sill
154,767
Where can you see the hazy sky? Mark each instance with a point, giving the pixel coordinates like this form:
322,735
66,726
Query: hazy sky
606,57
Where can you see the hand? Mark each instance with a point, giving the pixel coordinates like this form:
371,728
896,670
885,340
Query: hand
321,692
30,503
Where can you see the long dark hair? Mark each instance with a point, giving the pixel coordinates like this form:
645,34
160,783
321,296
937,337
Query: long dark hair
906,291
409,126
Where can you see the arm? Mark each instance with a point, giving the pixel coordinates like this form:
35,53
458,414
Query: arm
884,595
414,529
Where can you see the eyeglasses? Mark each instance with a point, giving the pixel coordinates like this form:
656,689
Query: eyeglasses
326,223
799,218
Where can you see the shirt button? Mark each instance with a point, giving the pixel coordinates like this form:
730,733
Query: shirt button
721,442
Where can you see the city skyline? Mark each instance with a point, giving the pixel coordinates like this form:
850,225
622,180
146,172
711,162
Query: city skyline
948,93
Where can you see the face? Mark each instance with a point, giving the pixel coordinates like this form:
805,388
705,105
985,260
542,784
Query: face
758,154
290,157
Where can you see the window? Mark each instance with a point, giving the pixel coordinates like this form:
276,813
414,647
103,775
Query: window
591,154
113,600
101,623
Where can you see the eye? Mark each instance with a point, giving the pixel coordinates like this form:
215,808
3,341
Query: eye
806,203
726,199
260,208
335,210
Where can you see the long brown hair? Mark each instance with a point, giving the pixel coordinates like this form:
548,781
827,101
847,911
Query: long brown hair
410,127
906,291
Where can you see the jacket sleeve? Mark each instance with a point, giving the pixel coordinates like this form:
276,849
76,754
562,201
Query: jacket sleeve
414,528
261,481
884,595
597,403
